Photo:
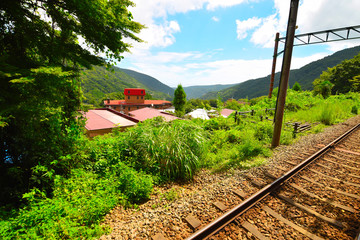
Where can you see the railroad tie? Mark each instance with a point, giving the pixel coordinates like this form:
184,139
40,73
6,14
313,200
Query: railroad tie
251,228
219,205
289,223
310,211
158,236
193,222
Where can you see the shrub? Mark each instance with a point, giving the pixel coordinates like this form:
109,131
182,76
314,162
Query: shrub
354,110
78,205
171,149
296,87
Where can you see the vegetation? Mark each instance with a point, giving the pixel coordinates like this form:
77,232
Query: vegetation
57,184
342,78
296,87
100,83
179,101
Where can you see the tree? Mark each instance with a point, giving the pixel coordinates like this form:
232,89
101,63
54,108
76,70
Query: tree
179,100
339,79
296,87
40,91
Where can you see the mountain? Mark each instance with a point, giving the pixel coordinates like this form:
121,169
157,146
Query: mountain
152,83
304,76
99,81
198,91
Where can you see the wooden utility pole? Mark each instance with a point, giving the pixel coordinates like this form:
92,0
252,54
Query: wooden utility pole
285,71
274,65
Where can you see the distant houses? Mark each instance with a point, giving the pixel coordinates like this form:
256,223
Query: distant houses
135,99
133,109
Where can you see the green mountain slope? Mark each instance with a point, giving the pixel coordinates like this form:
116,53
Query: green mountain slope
198,91
305,76
99,81
152,83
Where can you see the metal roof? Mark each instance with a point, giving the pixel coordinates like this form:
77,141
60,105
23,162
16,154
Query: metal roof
146,113
104,119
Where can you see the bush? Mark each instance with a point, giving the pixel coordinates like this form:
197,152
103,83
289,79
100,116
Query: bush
78,205
354,110
296,87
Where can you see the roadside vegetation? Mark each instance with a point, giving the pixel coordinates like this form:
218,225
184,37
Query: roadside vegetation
122,167
57,184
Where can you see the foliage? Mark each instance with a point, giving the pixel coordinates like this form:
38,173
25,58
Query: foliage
339,79
193,104
78,205
100,83
354,110
170,150
42,129
179,99
296,87
40,58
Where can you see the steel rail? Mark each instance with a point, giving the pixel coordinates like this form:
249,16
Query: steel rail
235,212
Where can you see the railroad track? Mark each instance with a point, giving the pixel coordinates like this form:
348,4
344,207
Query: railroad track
315,198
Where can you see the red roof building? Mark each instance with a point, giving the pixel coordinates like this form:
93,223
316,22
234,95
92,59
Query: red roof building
102,121
135,99
147,113
226,112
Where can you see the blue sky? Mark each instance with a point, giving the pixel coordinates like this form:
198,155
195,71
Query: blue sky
205,42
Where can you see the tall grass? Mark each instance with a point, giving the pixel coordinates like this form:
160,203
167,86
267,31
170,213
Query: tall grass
171,150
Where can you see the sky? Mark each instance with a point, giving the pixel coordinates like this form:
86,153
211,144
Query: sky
207,42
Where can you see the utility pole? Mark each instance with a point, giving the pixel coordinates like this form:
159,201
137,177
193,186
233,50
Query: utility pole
274,64
285,71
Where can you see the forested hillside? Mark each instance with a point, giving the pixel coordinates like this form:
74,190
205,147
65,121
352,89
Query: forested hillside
305,76
98,82
152,83
198,91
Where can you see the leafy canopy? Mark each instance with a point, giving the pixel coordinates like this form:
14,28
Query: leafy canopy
342,78
44,44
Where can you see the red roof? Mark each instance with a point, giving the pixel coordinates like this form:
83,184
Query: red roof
105,118
146,102
134,91
146,113
226,112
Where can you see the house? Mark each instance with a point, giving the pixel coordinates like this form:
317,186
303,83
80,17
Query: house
147,113
135,99
103,120
226,112
199,113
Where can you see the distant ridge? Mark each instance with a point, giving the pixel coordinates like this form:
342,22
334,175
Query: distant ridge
305,76
99,81
198,91
151,82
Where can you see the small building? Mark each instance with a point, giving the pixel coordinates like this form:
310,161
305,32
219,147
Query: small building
135,99
147,113
226,112
199,113
102,121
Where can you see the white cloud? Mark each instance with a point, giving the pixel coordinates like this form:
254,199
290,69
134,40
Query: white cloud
163,34
215,19
174,68
243,26
213,4
312,16
158,35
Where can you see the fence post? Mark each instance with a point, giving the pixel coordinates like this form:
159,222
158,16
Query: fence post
296,127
